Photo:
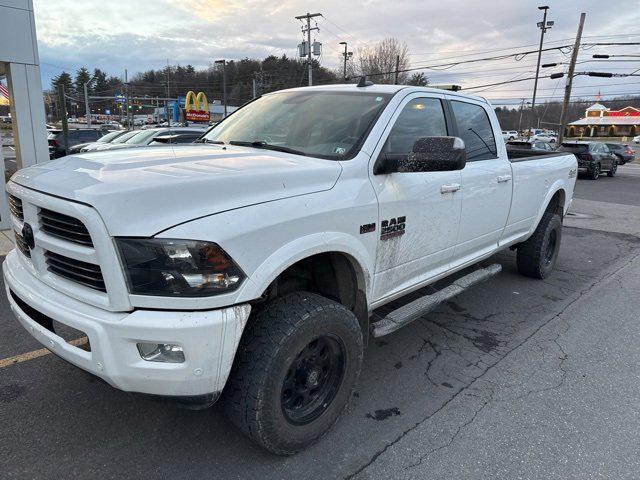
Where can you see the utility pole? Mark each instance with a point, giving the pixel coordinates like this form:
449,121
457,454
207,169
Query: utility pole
570,75
168,96
543,29
308,30
126,97
86,100
253,88
86,105
520,120
224,84
63,117
395,76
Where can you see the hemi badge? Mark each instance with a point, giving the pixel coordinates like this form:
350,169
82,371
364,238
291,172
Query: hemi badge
369,227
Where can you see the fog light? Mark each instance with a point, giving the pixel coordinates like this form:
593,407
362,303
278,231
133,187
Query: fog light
161,352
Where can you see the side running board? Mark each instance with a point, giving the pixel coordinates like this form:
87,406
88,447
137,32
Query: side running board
414,310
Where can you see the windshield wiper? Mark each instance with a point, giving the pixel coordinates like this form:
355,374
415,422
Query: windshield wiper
206,140
266,146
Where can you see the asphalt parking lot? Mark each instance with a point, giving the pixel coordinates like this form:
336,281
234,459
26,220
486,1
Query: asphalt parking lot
516,378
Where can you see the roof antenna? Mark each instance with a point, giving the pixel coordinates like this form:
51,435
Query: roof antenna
364,82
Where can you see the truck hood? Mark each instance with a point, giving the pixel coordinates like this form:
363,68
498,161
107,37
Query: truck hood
142,191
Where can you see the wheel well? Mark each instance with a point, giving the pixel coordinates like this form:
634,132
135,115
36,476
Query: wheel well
334,275
556,204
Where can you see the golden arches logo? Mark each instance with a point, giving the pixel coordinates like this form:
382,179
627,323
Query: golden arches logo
196,107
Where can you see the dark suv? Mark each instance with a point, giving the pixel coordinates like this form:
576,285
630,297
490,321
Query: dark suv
57,147
593,158
624,152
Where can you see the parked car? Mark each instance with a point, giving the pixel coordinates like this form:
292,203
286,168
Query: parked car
57,146
145,137
106,138
176,137
593,158
508,135
545,137
623,152
536,145
636,139
119,139
248,266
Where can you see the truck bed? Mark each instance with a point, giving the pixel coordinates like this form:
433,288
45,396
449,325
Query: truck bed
523,154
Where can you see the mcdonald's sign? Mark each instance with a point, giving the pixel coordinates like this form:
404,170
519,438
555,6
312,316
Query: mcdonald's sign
196,107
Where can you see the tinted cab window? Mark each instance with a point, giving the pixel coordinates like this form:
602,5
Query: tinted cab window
421,117
475,129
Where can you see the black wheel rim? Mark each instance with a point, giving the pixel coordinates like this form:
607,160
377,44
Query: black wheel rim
551,248
312,380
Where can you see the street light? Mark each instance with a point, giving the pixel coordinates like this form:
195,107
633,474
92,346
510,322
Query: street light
603,56
224,84
346,55
588,74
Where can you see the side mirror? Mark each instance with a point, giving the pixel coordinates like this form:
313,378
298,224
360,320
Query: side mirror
428,154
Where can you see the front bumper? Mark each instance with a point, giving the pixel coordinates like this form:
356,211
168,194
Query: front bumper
209,338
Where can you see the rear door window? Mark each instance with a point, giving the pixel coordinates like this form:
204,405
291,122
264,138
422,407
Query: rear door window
475,129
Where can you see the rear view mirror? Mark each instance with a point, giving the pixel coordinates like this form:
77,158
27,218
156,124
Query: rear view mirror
429,154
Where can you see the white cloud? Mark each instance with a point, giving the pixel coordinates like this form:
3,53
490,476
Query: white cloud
143,34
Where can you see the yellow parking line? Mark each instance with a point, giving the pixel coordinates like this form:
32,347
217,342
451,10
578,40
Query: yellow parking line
5,362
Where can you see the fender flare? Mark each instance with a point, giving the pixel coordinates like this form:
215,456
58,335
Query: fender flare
305,247
555,188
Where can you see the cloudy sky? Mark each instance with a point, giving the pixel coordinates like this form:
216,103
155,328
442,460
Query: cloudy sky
143,34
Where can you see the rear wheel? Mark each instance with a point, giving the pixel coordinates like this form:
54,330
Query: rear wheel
537,256
594,172
294,371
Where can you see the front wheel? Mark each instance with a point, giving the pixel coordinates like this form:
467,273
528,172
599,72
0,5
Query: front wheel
594,173
537,256
614,169
294,372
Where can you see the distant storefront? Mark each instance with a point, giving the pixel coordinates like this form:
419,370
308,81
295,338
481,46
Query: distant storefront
600,121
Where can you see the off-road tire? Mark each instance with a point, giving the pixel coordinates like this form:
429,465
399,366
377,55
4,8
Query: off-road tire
614,169
594,173
537,256
254,397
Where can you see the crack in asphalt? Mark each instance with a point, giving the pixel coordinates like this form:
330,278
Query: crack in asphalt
490,368
457,432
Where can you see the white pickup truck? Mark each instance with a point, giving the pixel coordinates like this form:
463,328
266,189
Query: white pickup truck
249,265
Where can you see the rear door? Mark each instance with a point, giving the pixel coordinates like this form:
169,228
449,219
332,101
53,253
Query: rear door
486,180
418,211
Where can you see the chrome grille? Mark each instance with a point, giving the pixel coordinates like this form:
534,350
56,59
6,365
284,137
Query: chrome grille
86,274
15,205
22,246
65,227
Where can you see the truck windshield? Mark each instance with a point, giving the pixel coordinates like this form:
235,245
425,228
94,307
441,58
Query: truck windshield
323,124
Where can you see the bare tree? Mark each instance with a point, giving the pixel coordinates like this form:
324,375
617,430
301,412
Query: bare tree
379,61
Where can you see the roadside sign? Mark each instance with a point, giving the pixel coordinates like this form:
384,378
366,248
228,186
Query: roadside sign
196,107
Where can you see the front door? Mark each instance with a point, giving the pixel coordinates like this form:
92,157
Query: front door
418,211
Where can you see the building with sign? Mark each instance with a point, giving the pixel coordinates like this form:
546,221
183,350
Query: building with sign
600,121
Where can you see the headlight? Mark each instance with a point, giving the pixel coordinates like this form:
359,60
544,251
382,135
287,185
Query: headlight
177,268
